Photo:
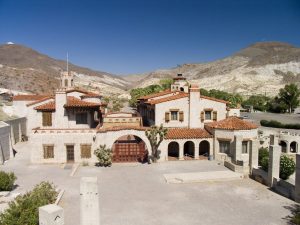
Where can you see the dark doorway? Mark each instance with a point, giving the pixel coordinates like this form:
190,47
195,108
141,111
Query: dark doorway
70,153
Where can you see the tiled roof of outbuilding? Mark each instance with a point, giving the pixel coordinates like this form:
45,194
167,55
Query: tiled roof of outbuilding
232,123
28,97
187,133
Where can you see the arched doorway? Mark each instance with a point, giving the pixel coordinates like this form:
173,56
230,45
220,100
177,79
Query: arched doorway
173,150
294,147
204,149
283,146
129,148
189,149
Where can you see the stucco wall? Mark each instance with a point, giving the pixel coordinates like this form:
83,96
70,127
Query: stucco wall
17,129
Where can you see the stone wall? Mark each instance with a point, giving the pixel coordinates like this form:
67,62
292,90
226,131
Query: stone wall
5,144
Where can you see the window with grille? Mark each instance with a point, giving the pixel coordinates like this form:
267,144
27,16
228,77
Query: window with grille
224,147
85,151
174,115
47,119
48,151
81,118
244,147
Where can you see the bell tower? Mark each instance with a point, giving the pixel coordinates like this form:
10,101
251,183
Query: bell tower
67,80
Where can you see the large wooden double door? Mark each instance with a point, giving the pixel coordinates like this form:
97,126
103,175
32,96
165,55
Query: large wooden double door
129,152
70,153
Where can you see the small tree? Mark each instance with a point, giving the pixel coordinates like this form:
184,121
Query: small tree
290,96
104,155
155,136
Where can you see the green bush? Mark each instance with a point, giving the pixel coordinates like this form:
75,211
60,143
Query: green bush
24,210
7,181
287,167
277,124
104,156
265,163
263,152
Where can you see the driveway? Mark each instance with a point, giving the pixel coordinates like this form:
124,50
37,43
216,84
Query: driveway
138,194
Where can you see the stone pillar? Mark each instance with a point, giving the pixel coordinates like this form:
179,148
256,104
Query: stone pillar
238,139
51,215
297,179
181,147
274,163
89,201
20,132
288,147
273,139
196,152
254,154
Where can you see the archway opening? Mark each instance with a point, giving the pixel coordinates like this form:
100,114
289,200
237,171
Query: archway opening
189,150
181,89
130,148
294,147
283,146
173,151
204,149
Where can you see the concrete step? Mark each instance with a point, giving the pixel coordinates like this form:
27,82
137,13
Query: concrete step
194,177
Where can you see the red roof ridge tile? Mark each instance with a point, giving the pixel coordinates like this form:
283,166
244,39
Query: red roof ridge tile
145,97
168,98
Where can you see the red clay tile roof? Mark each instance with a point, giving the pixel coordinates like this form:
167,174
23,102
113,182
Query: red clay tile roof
168,98
91,94
72,102
214,99
168,91
85,92
187,133
40,100
232,123
49,106
28,97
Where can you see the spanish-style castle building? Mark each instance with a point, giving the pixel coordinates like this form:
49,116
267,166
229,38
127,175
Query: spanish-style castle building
68,125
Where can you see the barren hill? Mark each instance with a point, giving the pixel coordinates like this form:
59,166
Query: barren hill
25,69
260,68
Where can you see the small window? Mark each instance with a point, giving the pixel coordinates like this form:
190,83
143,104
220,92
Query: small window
47,119
81,118
85,150
48,151
244,147
174,115
224,147
207,115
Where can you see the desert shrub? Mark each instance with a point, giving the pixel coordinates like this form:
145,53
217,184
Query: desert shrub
104,155
24,210
7,181
287,167
277,124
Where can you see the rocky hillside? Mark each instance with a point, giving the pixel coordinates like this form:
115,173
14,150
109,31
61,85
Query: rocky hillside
24,69
260,68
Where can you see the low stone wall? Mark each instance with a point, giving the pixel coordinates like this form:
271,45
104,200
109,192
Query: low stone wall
5,146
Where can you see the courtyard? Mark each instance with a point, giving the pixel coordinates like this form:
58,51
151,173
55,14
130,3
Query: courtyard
138,193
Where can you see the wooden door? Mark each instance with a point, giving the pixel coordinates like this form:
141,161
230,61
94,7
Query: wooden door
70,153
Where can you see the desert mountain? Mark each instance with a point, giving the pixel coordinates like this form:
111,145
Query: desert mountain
261,68
27,70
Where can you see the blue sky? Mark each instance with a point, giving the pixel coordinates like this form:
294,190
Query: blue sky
136,36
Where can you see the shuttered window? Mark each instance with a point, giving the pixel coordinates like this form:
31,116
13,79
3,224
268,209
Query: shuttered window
181,116
48,151
47,119
174,115
215,115
202,116
167,117
85,150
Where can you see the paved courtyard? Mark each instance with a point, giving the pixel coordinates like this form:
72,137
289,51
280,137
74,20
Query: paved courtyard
138,194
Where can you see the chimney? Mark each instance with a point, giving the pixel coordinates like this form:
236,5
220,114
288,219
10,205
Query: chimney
60,115
194,97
